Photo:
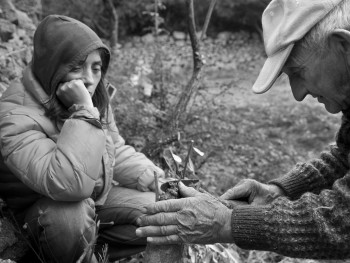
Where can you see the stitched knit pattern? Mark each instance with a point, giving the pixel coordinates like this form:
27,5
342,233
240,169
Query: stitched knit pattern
313,221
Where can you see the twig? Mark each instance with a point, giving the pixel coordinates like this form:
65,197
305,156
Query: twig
19,231
156,186
207,19
156,19
187,159
88,251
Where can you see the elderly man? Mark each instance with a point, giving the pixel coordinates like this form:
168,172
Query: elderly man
305,213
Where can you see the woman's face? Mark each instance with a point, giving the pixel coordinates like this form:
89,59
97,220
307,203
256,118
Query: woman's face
89,71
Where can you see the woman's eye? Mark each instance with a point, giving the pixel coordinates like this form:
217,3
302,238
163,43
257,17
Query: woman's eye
97,68
76,69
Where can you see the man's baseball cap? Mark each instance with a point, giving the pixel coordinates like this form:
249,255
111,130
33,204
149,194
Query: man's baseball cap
285,22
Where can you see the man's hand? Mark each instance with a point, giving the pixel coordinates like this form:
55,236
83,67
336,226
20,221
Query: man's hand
253,192
199,218
74,92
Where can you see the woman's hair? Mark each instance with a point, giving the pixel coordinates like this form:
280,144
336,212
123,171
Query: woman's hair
57,111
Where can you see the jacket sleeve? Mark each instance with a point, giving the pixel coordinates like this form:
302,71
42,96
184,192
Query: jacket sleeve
313,226
315,175
64,170
132,169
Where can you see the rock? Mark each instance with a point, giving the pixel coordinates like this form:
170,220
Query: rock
7,29
177,35
12,243
24,21
136,39
3,87
180,43
147,39
8,11
33,8
224,36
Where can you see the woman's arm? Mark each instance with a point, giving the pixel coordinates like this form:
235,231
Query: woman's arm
132,169
64,170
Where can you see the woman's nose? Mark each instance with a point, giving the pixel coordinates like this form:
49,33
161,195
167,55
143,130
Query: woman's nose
88,76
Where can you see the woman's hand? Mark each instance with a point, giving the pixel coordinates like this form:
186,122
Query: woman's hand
199,218
253,192
74,92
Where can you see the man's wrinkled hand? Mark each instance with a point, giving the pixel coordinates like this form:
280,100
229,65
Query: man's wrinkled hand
253,192
197,218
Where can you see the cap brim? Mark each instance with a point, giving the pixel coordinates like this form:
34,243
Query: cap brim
271,70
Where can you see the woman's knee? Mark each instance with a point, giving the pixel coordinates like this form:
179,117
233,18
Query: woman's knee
76,216
62,226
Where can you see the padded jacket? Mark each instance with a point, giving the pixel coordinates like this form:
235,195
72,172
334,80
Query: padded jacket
64,161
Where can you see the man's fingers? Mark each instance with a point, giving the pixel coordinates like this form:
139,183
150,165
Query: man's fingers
154,231
237,192
172,205
187,191
160,219
168,240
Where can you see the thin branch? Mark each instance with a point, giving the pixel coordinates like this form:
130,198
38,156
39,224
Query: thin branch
187,159
156,182
207,18
115,18
197,61
197,65
156,19
194,82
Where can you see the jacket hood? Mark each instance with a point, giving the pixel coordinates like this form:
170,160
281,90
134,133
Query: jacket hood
59,43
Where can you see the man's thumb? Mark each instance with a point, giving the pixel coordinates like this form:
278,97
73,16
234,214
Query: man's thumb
187,191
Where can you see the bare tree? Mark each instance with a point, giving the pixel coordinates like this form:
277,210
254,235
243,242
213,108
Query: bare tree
194,82
175,253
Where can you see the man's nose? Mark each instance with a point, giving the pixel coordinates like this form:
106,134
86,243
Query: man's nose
299,92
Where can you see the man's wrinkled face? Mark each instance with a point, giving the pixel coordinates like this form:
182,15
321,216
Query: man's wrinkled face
323,77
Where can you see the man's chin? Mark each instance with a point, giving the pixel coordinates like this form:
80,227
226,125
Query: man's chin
332,110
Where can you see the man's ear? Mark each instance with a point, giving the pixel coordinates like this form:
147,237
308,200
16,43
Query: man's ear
339,40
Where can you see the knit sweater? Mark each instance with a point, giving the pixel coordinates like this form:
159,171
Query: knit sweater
313,219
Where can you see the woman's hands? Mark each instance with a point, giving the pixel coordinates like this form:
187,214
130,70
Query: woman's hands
74,92
253,192
199,218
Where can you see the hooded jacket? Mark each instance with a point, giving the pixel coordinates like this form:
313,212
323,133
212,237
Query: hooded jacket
72,161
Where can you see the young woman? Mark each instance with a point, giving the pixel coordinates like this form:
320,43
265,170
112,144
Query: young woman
65,169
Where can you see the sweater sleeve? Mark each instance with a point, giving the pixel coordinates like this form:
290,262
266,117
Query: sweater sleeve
314,226
315,175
